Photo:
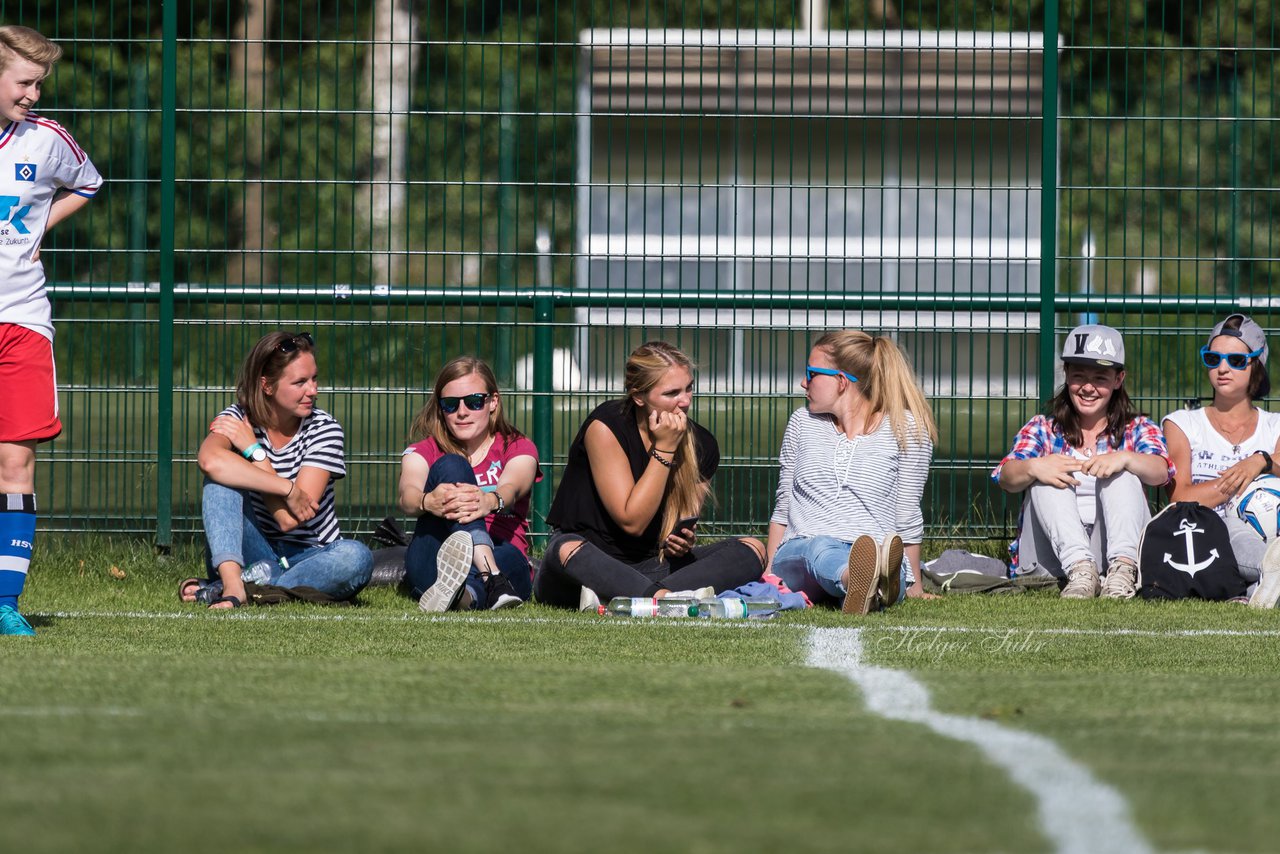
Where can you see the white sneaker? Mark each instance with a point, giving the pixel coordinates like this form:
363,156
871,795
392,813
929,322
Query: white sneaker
1082,581
453,564
1267,592
588,601
1121,581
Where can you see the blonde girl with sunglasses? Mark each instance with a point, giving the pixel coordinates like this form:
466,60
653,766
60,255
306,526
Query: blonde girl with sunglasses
467,479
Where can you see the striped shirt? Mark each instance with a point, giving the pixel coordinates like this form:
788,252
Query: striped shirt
319,444
834,486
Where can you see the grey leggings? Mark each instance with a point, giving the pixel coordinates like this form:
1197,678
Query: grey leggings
1054,537
723,565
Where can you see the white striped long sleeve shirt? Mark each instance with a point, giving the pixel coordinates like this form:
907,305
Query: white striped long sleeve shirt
834,486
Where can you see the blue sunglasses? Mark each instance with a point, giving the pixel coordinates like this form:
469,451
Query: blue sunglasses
810,372
1237,361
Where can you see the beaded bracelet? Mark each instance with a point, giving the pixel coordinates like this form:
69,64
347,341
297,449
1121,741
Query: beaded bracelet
653,452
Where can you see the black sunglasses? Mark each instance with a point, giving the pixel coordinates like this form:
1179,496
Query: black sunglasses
290,344
474,402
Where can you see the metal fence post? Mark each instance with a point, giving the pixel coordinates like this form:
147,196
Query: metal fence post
544,309
1049,201
506,315
164,380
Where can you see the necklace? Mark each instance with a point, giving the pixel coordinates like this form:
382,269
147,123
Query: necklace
481,452
1237,434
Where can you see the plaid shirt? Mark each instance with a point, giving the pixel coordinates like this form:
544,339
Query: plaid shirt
1041,436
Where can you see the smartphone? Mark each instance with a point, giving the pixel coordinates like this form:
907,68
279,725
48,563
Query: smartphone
689,522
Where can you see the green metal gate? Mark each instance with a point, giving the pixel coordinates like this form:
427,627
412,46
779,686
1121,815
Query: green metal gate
547,184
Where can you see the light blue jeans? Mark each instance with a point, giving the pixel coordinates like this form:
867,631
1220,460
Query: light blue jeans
815,566
340,569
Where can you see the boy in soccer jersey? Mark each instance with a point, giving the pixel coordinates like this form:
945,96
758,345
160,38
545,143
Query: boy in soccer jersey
44,178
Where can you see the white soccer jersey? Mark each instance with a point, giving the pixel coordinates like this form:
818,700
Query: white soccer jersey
37,159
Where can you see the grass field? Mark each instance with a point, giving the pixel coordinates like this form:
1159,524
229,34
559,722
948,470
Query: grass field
134,723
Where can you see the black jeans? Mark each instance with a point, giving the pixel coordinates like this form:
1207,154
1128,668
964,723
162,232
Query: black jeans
723,565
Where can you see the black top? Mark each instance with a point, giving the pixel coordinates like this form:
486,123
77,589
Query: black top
577,508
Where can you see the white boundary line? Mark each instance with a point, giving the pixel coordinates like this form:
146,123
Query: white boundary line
356,616
1078,814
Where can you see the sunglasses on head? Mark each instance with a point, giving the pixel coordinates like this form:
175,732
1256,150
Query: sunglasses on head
810,372
1236,361
291,344
474,402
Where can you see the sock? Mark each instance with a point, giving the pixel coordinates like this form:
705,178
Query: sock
17,531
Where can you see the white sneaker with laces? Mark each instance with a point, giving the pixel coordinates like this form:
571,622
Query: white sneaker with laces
1121,581
1082,581
1267,592
453,564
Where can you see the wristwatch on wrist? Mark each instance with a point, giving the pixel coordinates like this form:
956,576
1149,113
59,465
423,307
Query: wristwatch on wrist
1266,458
502,503
255,453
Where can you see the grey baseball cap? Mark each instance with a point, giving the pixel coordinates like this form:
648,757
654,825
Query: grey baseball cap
1094,344
1249,332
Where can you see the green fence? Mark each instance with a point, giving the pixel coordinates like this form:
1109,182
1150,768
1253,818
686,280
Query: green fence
547,184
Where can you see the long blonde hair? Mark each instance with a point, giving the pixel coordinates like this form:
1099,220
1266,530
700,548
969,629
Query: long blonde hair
686,490
885,380
429,423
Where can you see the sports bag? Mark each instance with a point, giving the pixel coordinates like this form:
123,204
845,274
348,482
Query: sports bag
1186,552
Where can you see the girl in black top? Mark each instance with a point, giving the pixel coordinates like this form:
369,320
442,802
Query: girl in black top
637,467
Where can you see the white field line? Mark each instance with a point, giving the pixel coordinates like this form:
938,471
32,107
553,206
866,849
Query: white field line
68,712
1078,814
270,615
355,616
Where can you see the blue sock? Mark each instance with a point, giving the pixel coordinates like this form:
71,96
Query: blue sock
17,531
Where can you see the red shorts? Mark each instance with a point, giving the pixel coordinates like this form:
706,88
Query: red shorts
28,386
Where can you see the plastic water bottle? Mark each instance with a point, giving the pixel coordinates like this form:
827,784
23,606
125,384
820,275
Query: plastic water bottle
737,609
640,606
264,571
258,573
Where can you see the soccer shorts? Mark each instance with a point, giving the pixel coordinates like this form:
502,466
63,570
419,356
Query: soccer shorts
28,386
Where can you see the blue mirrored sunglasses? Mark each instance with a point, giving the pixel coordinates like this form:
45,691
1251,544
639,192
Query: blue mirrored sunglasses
1237,361
474,402
810,372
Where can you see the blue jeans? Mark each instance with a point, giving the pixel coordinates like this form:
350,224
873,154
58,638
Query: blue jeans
340,569
431,531
816,565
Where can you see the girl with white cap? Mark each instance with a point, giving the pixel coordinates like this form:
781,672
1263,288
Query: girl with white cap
1221,448
1083,465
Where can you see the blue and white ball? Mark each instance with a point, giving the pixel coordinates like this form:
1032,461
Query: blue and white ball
1259,506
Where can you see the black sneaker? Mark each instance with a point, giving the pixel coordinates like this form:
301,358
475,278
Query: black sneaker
500,593
389,533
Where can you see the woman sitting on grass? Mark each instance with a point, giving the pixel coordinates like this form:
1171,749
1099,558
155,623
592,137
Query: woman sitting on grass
847,523
1220,449
270,461
467,479
638,467
1083,467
